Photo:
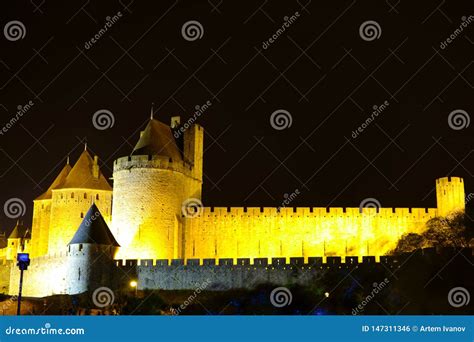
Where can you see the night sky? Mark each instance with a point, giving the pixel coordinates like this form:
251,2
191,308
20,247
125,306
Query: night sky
319,70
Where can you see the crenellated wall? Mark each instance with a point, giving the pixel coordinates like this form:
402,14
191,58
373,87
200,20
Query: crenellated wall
299,232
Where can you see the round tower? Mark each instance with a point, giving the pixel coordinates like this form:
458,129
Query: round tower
90,255
450,195
150,187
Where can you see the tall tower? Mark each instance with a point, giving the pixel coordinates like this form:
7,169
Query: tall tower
42,215
450,195
150,185
90,254
84,185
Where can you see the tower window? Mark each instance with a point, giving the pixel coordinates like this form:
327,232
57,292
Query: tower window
72,194
80,247
97,197
82,215
85,196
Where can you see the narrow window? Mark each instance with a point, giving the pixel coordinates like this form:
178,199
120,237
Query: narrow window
80,247
85,196
97,197
72,194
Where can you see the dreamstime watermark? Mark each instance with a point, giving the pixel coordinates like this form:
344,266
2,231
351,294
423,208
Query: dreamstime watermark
457,32
288,198
191,298
369,203
370,30
288,21
280,297
110,21
281,119
103,296
14,208
46,330
94,217
459,296
21,110
459,119
192,30
377,288
199,110
14,30
103,119
192,207
9,302
469,198
377,110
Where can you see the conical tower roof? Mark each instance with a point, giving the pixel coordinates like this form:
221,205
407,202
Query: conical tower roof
157,139
82,175
94,230
58,182
20,232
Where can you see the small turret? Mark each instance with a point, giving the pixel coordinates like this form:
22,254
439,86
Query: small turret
18,241
450,195
90,254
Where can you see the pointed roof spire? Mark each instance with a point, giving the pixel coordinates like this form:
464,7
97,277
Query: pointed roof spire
85,146
85,174
57,183
94,230
67,160
151,111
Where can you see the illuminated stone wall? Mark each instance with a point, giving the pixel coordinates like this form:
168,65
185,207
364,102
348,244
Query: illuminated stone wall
68,208
45,276
147,206
299,232
450,195
40,227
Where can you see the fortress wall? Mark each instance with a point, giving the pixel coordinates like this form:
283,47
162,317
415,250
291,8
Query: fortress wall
245,274
40,227
299,232
147,212
68,205
45,276
5,267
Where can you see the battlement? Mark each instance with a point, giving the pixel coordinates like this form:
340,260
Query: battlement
449,180
152,162
316,211
321,262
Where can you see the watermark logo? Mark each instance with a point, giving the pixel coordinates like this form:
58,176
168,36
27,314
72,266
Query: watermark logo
281,119
370,30
458,119
458,296
102,297
288,21
14,208
377,110
377,288
280,297
191,298
103,119
199,110
14,30
288,198
192,30
457,32
369,203
110,21
21,110
192,207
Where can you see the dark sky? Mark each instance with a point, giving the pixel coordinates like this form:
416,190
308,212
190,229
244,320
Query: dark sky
320,70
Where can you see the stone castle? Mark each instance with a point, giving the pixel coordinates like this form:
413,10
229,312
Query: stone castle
84,231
